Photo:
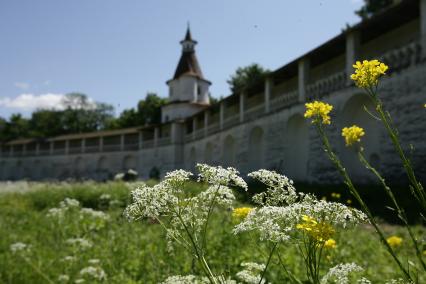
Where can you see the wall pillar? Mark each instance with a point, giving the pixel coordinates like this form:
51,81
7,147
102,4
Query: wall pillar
11,151
67,147
83,145
206,122
268,88
156,134
140,138
101,143
37,149
242,102
221,114
194,127
122,142
423,25
24,150
303,72
352,53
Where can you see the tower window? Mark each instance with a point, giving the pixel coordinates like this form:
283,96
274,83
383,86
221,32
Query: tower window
198,90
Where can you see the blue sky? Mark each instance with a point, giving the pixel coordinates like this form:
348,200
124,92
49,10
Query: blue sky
115,51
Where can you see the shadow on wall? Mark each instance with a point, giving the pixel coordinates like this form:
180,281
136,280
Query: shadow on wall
255,151
353,113
297,152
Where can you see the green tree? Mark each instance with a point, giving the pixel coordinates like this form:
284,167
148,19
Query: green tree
16,127
83,115
148,111
372,7
246,77
46,123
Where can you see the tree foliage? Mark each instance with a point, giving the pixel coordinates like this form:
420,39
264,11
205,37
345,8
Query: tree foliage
80,114
245,78
148,111
372,7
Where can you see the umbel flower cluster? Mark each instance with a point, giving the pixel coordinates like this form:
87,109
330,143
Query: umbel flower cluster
282,215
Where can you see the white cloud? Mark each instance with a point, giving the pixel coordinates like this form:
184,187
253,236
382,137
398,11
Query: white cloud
32,102
22,85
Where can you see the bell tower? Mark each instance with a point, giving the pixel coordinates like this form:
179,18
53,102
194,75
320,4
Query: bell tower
188,90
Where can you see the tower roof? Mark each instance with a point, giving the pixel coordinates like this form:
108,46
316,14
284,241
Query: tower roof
188,62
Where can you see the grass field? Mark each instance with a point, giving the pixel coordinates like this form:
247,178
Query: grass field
137,252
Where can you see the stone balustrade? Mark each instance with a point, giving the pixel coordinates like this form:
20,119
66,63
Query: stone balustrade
284,100
327,85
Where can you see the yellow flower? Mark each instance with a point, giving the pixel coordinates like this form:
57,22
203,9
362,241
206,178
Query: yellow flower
317,111
241,213
352,134
349,201
394,241
330,244
367,73
319,231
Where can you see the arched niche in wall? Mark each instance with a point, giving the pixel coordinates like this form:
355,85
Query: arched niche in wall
352,113
102,164
297,151
129,162
228,151
19,170
256,151
192,159
208,153
79,166
36,172
3,170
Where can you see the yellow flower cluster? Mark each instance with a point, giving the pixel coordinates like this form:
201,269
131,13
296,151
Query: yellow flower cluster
318,110
352,134
241,213
394,241
367,73
319,231
330,244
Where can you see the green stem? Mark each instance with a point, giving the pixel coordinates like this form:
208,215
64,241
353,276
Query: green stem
336,161
198,254
290,275
36,269
267,263
401,212
418,191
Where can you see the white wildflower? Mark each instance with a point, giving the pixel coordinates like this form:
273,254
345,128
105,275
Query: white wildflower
115,203
278,224
79,242
55,213
188,279
397,281
63,278
363,280
69,203
280,189
251,273
220,176
222,195
78,281
340,273
89,212
94,261
19,247
96,273
69,258
105,197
